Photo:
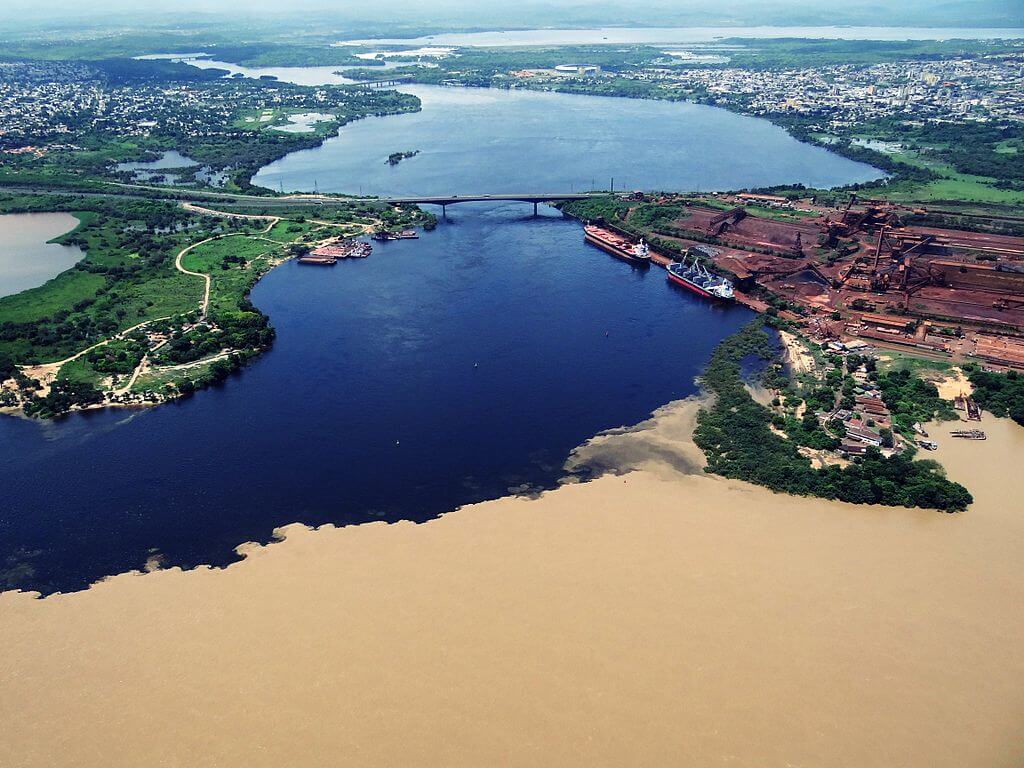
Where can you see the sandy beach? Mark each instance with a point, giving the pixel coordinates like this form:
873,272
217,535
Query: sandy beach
655,616
795,353
953,384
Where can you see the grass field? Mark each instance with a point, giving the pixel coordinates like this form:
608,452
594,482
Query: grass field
953,186
63,291
891,360
81,370
234,264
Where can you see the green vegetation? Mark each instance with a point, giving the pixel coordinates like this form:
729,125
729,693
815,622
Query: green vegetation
1001,394
63,395
128,280
127,277
736,436
911,399
117,358
607,208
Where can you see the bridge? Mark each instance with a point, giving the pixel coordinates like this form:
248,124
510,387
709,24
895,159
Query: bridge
385,82
445,200
207,196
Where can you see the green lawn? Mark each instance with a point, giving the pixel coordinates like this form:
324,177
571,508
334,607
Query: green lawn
953,186
231,279
81,370
288,231
893,360
62,292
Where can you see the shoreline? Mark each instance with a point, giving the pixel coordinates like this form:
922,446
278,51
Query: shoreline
47,373
661,445
495,633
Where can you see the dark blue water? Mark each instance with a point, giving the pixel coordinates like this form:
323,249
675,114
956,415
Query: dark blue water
437,372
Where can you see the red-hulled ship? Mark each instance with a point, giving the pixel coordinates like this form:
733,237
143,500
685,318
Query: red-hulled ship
696,278
617,245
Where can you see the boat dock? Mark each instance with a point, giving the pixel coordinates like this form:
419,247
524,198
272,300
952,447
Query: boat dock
343,249
966,403
406,234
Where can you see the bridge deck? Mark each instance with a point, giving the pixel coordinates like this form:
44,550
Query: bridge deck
521,198
179,194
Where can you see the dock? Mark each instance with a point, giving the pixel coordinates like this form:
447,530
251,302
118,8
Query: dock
343,249
966,404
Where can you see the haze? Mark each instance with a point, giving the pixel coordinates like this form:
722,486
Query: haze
465,14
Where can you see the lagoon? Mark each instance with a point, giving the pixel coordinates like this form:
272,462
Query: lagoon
27,257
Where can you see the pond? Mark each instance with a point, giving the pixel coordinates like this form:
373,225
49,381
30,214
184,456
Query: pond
27,257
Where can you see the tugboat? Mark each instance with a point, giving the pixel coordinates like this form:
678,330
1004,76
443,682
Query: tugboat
616,245
696,278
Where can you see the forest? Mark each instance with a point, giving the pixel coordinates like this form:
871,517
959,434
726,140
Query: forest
1001,394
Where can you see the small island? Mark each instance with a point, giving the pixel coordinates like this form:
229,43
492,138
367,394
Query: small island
396,157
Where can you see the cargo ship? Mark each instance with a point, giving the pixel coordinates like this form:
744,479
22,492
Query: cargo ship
617,245
696,278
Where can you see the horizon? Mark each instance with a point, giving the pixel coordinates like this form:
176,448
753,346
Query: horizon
461,15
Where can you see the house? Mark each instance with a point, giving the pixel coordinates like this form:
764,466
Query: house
864,435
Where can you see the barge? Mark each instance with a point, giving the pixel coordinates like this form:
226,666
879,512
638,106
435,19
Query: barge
969,434
384,235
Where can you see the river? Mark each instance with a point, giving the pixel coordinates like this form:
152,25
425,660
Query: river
669,35
27,257
436,373
481,140
649,617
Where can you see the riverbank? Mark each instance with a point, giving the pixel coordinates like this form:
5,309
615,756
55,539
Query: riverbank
31,251
119,328
762,629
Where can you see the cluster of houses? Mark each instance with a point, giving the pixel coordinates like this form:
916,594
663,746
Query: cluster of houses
41,103
955,89
863,424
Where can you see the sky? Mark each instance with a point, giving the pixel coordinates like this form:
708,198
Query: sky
467,13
